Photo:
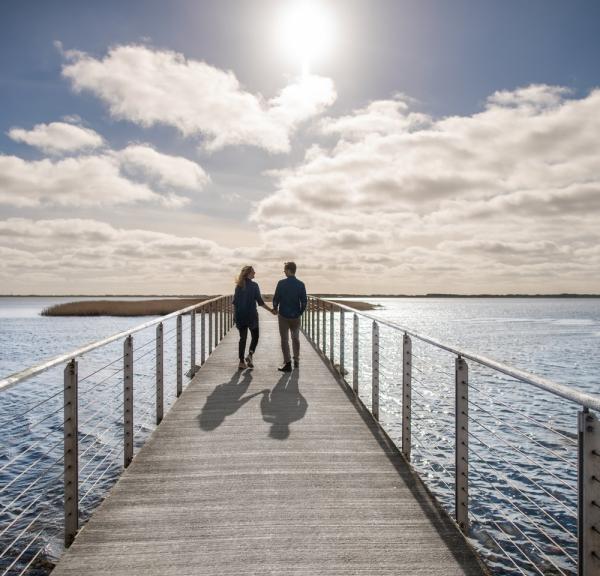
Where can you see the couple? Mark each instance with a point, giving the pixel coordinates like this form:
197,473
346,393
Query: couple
289,302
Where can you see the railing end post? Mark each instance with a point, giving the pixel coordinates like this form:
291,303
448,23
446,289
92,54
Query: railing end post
461,485
71,453
588,493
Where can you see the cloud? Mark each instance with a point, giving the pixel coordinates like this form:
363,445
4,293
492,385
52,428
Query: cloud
96,257
168,170
539,96
74,182
379,117
495,201
57,137
152,87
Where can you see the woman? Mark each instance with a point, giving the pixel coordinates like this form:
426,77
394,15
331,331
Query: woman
246,297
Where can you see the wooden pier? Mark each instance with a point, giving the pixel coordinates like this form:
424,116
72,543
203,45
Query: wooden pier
259,472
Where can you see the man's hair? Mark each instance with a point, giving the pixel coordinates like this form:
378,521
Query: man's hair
290,267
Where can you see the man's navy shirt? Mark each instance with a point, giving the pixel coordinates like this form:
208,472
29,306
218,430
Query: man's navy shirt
290,297
245,300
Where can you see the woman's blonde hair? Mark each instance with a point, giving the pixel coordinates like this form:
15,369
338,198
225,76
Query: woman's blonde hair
241,279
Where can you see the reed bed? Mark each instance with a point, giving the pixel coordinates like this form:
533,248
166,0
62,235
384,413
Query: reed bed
121,307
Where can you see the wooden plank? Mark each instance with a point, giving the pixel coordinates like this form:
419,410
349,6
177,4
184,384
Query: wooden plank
259,472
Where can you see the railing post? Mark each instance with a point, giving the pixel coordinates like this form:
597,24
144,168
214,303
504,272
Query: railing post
192,343
318,340
202,337
375,372
324,343
216,334
221,318
589,493
355,335
210,330
159,373
227,314
128,401
179,356
71,453
312,319
331,334
342,343
462,444
406,394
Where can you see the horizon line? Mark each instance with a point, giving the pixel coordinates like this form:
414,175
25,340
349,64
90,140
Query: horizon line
323,295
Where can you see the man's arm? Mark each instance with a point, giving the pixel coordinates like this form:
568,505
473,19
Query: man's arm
277,296
303,298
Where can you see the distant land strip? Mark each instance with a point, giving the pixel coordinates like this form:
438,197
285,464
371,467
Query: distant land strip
441,295
145,307
429,295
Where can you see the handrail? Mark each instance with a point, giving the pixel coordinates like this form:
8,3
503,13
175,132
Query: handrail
18,377
581,398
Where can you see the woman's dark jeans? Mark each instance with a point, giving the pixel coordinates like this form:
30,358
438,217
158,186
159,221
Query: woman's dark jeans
243,337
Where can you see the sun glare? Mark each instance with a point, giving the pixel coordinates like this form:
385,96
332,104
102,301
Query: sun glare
306,32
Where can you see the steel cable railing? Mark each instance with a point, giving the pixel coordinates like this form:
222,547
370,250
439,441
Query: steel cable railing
91,410
521,485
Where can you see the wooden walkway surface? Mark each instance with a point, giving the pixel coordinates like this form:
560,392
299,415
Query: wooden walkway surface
259,472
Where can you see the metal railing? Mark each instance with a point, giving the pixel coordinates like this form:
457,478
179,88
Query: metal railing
63,450
512,457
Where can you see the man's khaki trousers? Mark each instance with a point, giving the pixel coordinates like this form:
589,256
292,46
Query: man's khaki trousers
287,325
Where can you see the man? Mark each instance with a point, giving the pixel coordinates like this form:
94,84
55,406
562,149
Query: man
289,303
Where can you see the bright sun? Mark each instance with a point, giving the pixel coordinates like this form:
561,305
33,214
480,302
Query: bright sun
306,32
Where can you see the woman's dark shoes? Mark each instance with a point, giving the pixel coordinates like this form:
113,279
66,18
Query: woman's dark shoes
242,365
249,362
287,367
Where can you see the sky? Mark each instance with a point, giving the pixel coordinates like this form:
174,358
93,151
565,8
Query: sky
385,146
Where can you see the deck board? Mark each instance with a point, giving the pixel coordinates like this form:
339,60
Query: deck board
264,473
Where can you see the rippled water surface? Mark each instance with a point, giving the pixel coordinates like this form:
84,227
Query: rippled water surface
522,441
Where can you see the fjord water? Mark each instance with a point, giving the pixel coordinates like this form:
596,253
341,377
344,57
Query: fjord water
557,338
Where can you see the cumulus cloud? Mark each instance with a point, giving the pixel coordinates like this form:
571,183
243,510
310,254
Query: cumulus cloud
379,117
495,201
57,137
151,87
74,182
169,170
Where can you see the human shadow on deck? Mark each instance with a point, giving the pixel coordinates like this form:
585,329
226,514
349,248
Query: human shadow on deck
283,405
225,400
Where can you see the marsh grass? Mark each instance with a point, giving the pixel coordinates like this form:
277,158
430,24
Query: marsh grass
121,307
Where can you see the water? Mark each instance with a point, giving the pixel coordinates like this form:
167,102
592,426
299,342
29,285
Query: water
511,453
